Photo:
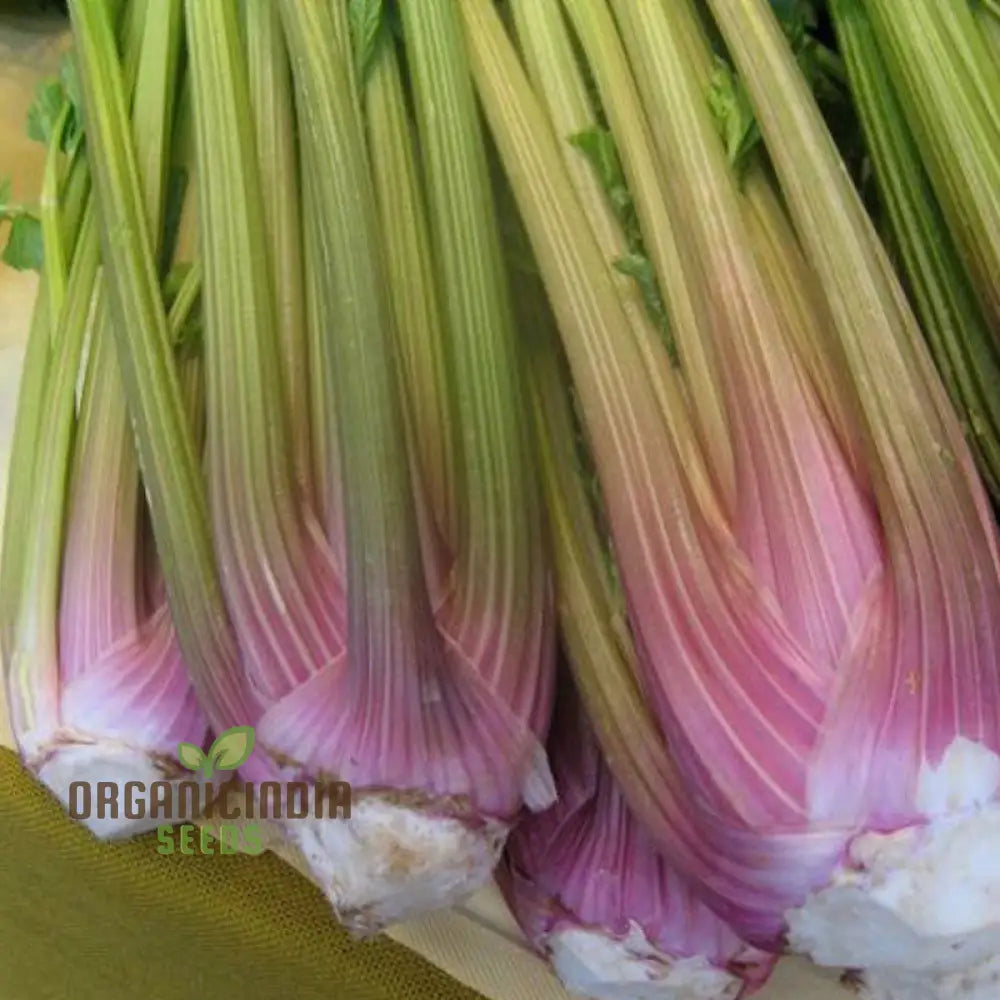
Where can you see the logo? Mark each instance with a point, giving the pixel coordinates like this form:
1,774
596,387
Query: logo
227,753
211,799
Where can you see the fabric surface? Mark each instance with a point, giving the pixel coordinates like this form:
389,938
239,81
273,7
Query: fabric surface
84,920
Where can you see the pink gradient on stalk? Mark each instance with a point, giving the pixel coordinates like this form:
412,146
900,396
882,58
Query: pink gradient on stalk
588,863
286,601
137,691
431,727
121,672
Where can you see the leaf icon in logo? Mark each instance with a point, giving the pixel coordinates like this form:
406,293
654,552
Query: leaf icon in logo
191,756
230,749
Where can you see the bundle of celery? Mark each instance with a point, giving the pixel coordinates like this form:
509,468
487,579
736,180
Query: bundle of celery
807,558
365,416
342,540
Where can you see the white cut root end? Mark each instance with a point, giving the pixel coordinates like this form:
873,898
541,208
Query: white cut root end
980,983
918,910
390,862
116,763
598,965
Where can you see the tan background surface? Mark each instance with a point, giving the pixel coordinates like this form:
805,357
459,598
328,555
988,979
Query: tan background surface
479,944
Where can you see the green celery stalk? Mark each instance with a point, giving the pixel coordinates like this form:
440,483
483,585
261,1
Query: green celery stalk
168,456
419,320
502,585
43,441
552,63
387,599
941,61
271,98
31,406
959,336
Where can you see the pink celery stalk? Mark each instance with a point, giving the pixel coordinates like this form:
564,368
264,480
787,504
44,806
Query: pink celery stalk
435,729
938,627
125,692
499,617
764,695
281,584
124,698
641,916
738,694
359,686
592,892
924,726
165,440
806,525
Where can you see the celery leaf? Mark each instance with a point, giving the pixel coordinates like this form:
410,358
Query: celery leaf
173,211
640,267
45,109
25,248
70,81
367,28
51,97
734,115
598,145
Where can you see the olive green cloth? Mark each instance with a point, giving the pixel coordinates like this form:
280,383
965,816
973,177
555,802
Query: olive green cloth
85,920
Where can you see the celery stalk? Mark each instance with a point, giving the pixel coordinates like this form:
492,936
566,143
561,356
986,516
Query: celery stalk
32,665
167,455
616,81
801,516
502,605
678,560
917,701
409,266
405,714
271,98
32,393
116,694
280,582
941,61
959,336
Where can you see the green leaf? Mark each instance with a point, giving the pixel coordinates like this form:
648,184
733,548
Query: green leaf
598,145
367,23
191,756
232,748
174,281
45,109
640,267
68,77
173,211
734,115
189,339
5,194
25,247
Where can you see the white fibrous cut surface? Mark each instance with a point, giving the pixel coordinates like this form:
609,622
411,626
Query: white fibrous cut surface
118,763
979,983
599,965
390,862
919,909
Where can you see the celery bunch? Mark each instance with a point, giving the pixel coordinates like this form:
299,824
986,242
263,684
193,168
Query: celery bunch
342,541
403,400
